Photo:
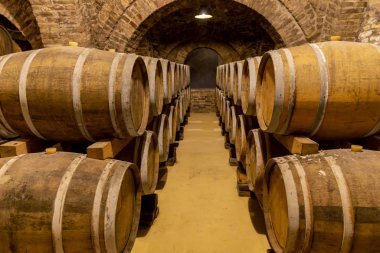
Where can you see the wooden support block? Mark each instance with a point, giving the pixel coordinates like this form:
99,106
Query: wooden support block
22,146
241,183
106,149
13,148
298,144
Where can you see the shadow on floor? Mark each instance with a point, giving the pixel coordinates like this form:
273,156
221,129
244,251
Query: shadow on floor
257,215
162,178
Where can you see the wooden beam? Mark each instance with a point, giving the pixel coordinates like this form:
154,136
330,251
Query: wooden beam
107,149
298,144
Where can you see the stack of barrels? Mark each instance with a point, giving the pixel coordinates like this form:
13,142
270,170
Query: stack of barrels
64,201
329,92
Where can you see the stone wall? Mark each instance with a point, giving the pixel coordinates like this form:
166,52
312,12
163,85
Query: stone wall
203,100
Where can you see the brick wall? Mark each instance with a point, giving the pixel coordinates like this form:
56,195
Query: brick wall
370,30
203,100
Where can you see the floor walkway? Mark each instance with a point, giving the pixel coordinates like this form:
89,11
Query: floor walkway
200,211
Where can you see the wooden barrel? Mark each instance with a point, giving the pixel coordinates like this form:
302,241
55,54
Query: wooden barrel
224,108
73,94
67,202
329,202
233,123
160,126
248,85
174,71
6,42
320,89
15,47
232,77
167,79
171,112
243,125
237,88
156,85
227,78
260,148
147,158
228,117
188,75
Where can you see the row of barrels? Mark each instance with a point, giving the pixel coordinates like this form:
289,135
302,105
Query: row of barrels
329,92
65,201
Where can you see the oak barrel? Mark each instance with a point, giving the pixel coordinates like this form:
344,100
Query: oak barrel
167,78
160,126
73,94
260,148
328,202
147,158
248,85
320,89
237,88
6,42
65,202
156,85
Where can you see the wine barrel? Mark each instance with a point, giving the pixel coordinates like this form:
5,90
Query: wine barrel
15,47
67,202
160,126
237,88
243,125
156,85
227,78
147,158
260,148
231,81
73,94
328,202
6,42
234,111
171,112
174,71
320,89
228,117
167,79
248,85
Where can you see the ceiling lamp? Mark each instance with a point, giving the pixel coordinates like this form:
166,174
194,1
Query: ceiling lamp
204,13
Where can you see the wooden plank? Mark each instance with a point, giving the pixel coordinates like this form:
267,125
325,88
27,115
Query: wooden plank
106,149
298,144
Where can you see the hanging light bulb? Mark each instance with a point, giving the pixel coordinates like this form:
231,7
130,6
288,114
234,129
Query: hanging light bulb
204,13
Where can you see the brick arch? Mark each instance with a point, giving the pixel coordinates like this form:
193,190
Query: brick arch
181,51
127,28
20,13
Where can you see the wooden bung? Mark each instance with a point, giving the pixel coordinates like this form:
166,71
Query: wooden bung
67,202
328,202
319,89
73,94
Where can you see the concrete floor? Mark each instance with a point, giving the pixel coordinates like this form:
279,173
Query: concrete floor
200,211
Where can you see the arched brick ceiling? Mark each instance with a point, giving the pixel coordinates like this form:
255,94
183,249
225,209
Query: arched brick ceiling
233,24
20,13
